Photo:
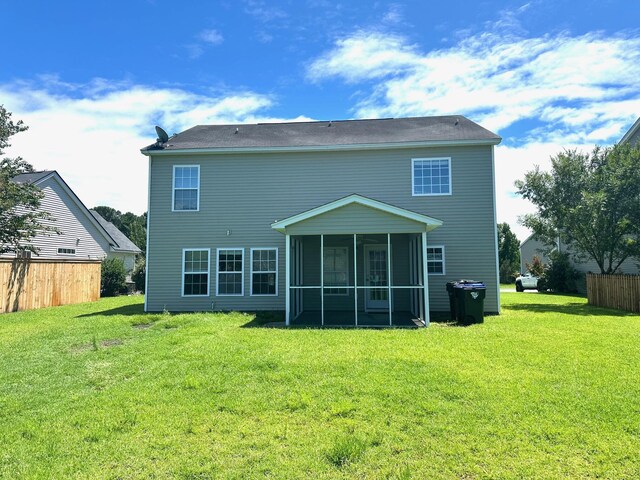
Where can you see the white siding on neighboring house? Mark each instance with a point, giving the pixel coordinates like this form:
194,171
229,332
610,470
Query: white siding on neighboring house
77,231
80,235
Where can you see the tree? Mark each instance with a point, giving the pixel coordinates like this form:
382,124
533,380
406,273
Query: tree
536,267
113,277
20,216
559,274
508,253
591,201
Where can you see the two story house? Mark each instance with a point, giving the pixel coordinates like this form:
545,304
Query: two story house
357,222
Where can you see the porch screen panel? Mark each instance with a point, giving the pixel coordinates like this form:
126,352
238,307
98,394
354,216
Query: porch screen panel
336,270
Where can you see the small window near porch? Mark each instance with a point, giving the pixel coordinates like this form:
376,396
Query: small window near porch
264,271
336,270
435,260
230,271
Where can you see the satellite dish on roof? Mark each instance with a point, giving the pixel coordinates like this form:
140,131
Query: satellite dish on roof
162,135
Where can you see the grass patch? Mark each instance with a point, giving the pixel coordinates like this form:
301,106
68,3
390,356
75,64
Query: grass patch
548,389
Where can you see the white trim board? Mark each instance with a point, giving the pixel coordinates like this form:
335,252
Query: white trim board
316,148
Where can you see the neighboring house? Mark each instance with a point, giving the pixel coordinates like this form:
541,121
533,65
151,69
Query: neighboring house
83,233
334,223
533,247
633,135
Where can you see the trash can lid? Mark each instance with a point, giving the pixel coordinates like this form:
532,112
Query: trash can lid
468,284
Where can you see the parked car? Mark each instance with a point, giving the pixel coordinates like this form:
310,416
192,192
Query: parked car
528,281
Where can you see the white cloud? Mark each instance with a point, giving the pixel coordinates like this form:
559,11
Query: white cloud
495,80
92,134
574,90
212,37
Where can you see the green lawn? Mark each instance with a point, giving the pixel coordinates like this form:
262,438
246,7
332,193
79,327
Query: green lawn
549,389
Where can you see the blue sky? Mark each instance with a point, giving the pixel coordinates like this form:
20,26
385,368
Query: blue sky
91,79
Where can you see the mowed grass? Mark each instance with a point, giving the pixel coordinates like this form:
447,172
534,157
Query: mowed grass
549,389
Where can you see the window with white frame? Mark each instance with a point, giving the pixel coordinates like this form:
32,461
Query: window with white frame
264,271
195,272
230,271
435,260
431,176
336,270
186,188
66,251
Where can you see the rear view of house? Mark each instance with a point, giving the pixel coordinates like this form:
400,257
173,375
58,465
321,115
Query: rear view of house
356,222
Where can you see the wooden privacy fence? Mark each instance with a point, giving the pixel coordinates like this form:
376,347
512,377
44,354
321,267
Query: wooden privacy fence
614,291
34,283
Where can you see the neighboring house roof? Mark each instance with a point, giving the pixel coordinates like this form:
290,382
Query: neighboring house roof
429,222
443,130
634,128
118,241
124,244
32,177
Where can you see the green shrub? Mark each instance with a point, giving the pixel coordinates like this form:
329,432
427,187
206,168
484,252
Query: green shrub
559,275
138,275
113,277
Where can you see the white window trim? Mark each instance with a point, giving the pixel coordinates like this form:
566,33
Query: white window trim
346,287
184,252
252,272
218,294
413,194
444,269
173,189
66,253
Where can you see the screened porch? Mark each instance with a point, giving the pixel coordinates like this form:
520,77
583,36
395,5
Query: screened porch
340,274
364,280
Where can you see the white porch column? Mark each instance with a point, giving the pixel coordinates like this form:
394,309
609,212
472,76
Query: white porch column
322,279
389,278
425,276
287,275
355,278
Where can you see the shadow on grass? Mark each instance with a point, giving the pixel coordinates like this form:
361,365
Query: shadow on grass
275,319
125,310
572,308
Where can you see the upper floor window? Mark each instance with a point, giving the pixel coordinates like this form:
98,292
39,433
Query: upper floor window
186,188
431,176
435,260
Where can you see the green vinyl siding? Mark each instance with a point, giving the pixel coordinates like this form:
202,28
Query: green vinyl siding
241,195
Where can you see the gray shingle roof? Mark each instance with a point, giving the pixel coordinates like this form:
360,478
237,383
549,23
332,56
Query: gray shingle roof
31,177
453,128
120,238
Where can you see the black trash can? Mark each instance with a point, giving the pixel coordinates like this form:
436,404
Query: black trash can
452,299
469,298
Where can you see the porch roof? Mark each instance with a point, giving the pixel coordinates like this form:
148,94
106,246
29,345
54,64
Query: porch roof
356,214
